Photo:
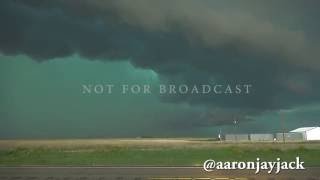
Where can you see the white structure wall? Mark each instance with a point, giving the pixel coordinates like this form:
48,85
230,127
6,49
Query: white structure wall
309,133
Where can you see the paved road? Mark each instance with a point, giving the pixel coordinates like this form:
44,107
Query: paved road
137,173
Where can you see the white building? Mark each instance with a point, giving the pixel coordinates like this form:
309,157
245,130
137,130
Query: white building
309,133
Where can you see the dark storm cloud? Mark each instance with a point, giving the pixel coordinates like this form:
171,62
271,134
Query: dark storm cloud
191,42
207,117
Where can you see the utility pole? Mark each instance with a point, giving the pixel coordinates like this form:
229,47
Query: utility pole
283,128
235,126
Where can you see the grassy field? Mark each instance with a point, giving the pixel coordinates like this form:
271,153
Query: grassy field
166,152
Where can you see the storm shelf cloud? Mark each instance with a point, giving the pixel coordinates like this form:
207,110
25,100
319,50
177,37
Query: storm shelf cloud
271,45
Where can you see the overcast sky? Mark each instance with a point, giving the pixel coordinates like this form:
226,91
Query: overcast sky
48,49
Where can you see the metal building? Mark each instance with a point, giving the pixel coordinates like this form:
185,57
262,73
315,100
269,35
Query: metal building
308,133
237,137
261,137
291,136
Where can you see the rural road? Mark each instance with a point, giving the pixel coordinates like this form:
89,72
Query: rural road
137,173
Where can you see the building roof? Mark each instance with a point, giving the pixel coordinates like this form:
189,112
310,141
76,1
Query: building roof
303,129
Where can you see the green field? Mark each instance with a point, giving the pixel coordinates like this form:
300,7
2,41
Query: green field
148,152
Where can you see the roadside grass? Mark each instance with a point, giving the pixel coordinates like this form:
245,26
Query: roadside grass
160,156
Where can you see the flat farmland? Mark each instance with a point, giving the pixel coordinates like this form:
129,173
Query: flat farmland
149,152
